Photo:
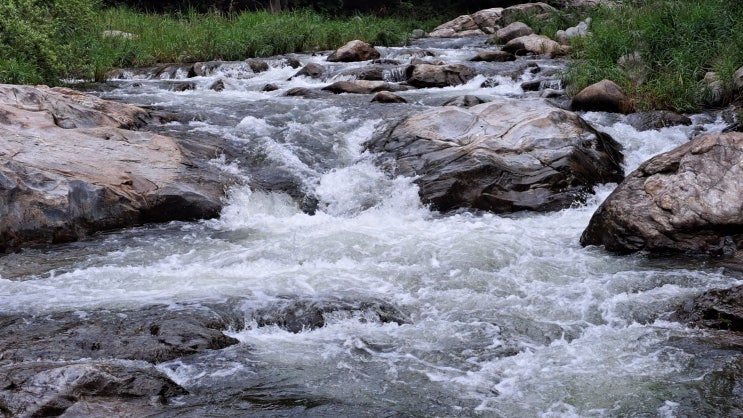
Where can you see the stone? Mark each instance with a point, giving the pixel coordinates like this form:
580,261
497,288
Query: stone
362,87
367,72
429,75
70,166
487,19
513,13
683,201
256,65
217,85
512,31
463,25
579,30
502,156
604,96
312,70
388,97
270,87
153,334
534,44
119,34
657,119
418,33
494,56
354,51
203,69
715,309
306,93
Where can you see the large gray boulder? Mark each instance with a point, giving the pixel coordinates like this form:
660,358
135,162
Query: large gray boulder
69,167
512,31
431,75
502,156
354,51
516,12
687,200
463,25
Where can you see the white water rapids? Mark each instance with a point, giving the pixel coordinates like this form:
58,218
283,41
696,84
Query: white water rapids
507,316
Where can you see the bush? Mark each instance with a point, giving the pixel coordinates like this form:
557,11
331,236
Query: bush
39,40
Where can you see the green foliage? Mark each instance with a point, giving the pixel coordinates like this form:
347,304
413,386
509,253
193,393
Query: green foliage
678,41
39,39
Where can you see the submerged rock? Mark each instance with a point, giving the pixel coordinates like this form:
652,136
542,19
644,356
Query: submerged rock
153,334
687,200
388,97
644,121
70,166
305,315
502,156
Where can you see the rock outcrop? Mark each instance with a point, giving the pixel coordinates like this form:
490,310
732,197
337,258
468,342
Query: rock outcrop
687,200
502,156
70,165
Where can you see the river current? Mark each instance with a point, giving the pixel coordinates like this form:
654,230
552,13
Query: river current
502,315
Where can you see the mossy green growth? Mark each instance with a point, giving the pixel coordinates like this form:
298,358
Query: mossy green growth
676,42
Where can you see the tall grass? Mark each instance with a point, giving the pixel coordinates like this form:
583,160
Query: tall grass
167,38
678,41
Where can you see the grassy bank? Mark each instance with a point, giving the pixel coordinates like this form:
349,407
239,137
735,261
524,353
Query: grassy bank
43,42
677,43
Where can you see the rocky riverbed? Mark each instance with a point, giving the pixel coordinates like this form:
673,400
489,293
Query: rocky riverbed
388,231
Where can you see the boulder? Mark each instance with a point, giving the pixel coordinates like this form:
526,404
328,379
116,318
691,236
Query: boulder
70,167
534,44
502,156
429,75
487,19
354,51
387,97
514,13
312,70
656,119
494,56
367,72
512,31
202,69
461,26
307,93
604,96
687,200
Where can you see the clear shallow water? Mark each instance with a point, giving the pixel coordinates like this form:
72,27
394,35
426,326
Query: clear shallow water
506,316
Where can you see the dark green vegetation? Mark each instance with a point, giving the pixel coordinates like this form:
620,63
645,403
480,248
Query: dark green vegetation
674,43
677,43
45,41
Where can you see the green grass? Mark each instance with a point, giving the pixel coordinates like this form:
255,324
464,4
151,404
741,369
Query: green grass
181,37
677,40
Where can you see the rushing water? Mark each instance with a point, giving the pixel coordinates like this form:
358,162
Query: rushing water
504,316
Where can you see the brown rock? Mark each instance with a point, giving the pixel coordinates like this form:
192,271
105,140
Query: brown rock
388,97
687,200
534,44
429,75
604,96
510,32
354,51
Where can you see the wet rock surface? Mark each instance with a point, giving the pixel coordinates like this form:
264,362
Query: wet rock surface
94,173
501,156
71,362
683,201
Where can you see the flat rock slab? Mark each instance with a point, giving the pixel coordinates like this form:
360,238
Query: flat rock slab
687,200
70,165
501,156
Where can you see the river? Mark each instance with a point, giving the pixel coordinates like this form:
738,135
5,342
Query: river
492,315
